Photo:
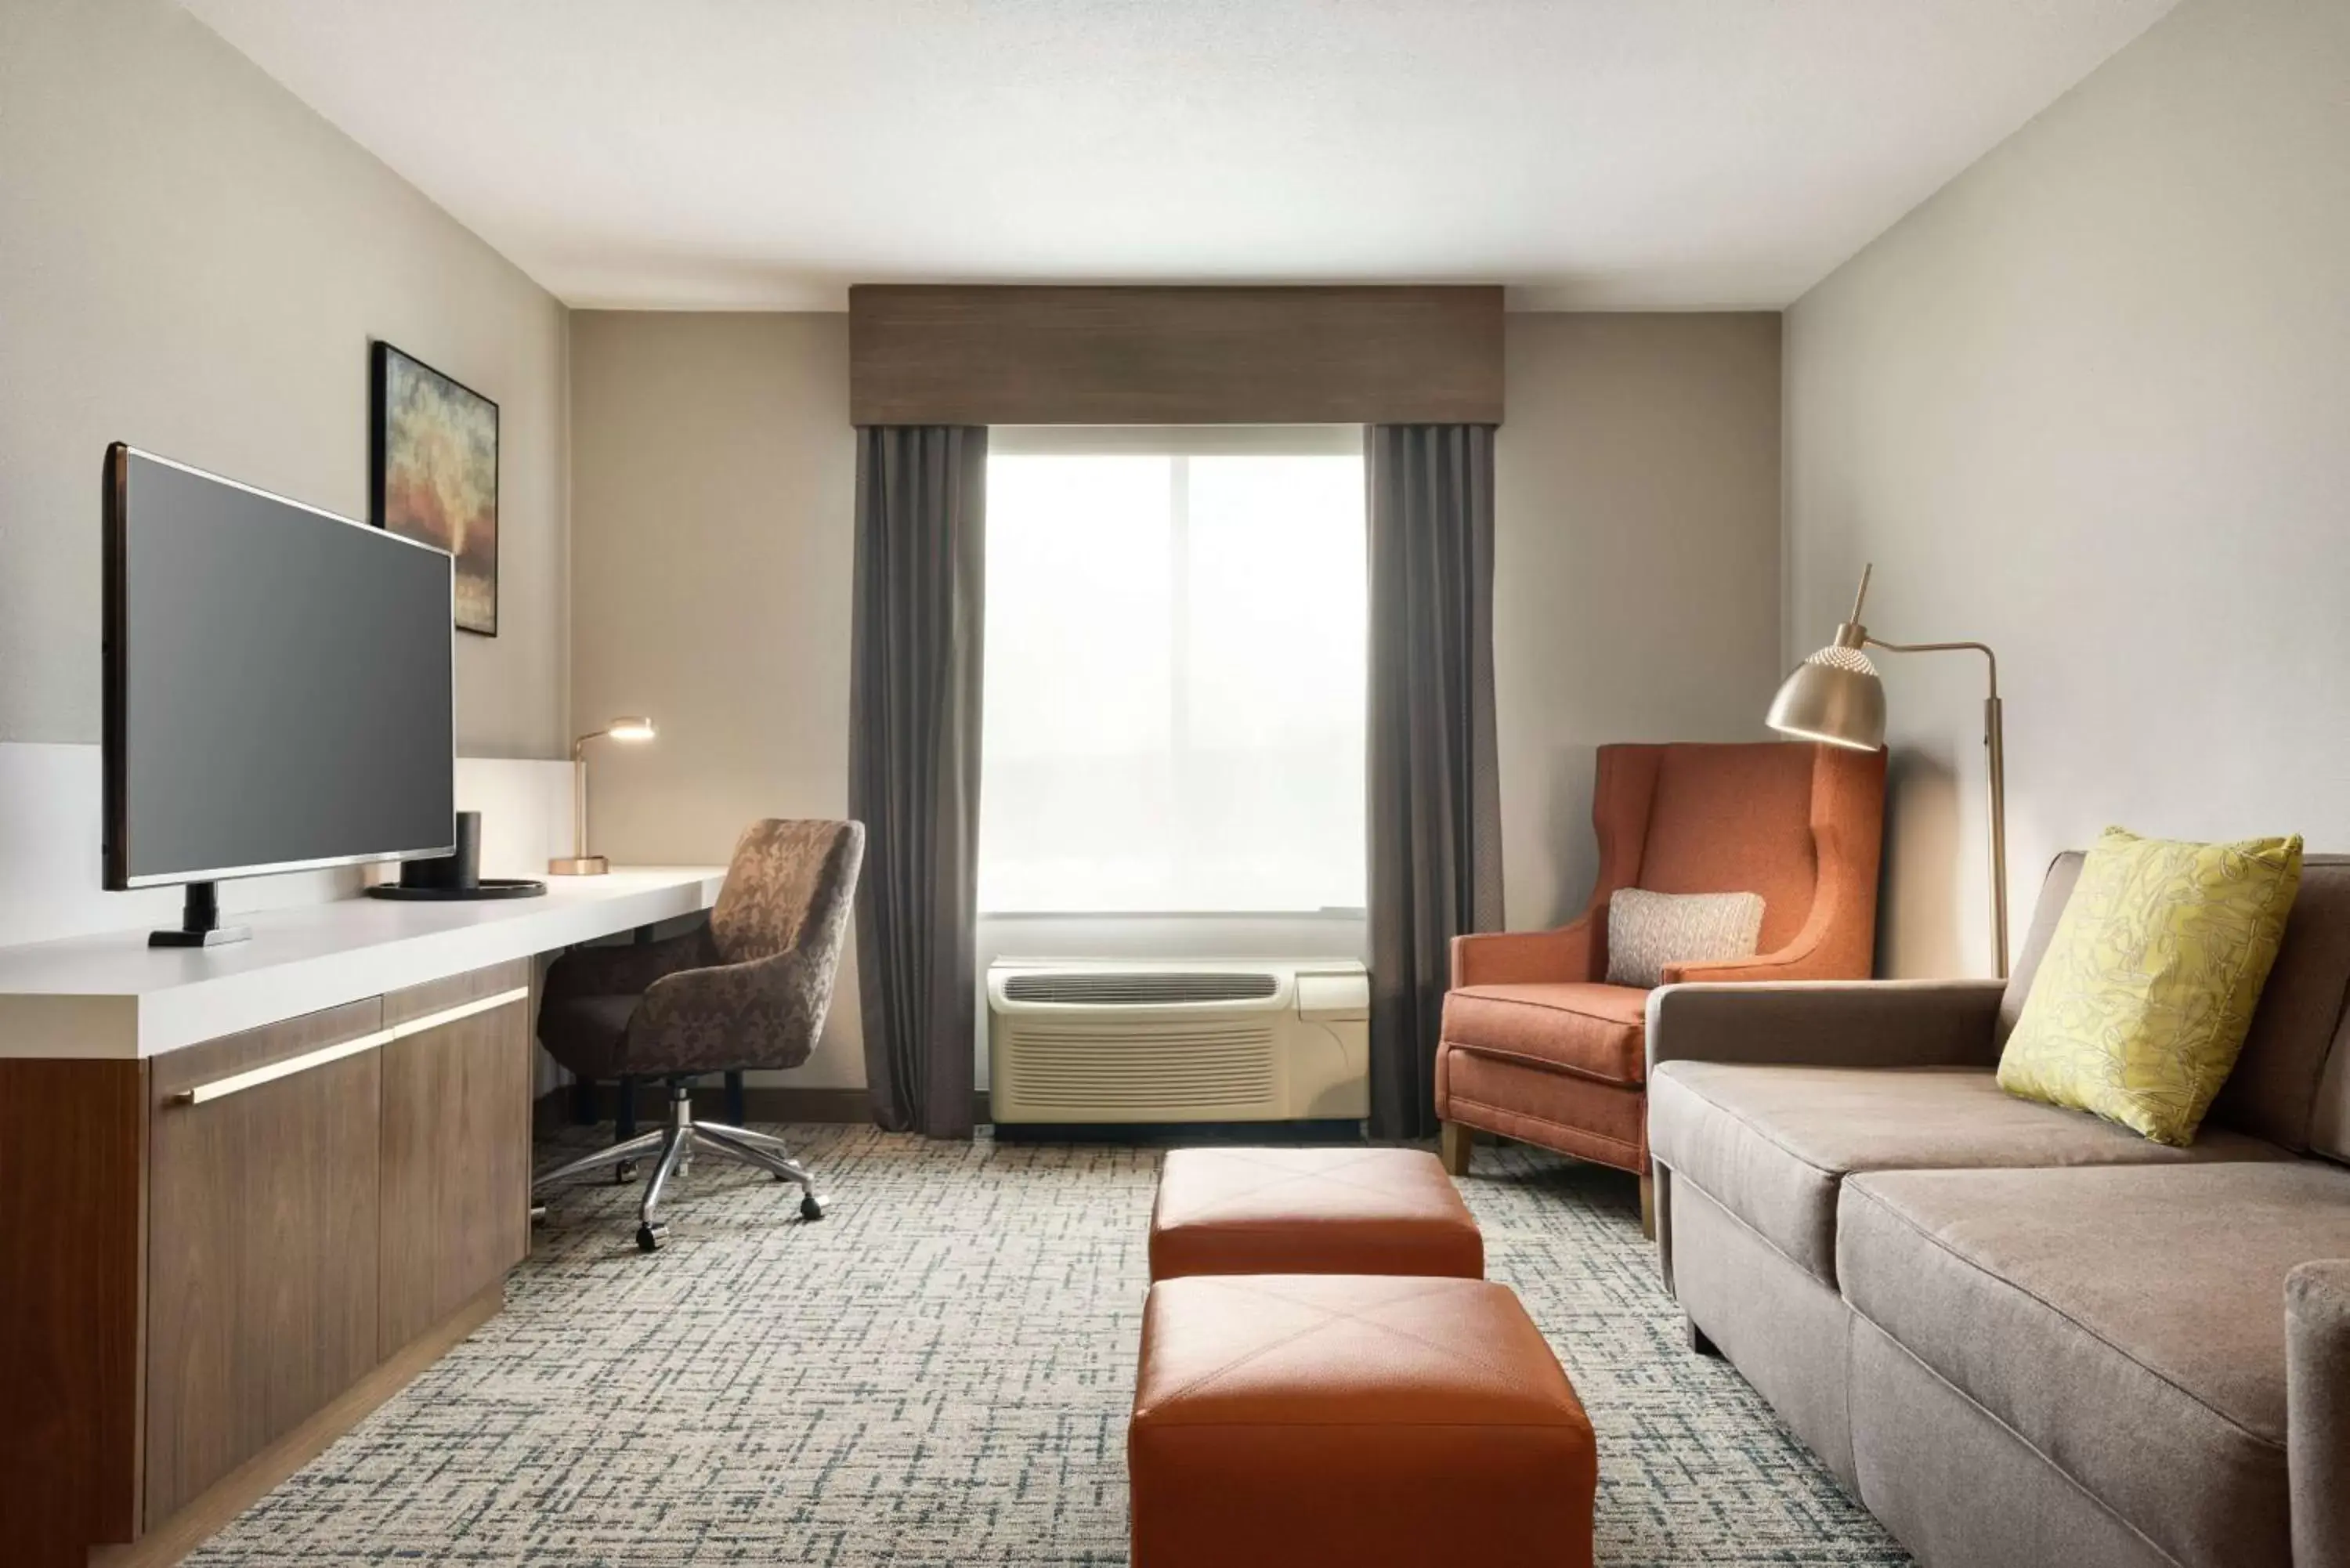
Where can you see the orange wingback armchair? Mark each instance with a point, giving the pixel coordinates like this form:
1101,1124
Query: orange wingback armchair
1536,1046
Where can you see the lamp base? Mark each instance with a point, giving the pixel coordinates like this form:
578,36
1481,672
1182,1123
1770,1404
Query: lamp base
578,866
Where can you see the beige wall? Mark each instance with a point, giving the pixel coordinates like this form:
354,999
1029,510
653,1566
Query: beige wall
713,477
714,484
1637,514
2091,403
193,262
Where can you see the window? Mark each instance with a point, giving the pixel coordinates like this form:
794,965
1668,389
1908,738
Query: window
1173,719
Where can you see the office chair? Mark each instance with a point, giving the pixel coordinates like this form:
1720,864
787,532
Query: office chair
749,989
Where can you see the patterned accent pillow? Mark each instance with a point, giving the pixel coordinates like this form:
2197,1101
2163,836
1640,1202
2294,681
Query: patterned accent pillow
1646,931
2146,991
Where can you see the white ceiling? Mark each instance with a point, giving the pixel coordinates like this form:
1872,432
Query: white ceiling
1590,154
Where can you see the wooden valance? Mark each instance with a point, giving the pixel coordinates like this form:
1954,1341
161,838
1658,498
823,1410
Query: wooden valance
979,355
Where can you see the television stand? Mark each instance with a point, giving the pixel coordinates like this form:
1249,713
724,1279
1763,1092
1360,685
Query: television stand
200,923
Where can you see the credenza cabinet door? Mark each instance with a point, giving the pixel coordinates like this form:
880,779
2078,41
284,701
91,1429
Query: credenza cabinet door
456,1145
263,1203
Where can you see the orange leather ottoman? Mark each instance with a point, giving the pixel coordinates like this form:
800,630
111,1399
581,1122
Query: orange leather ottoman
1310,1211
1287,1420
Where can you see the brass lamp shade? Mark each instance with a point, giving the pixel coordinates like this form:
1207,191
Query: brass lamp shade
1835,697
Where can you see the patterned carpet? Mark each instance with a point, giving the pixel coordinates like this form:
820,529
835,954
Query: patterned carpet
939,1372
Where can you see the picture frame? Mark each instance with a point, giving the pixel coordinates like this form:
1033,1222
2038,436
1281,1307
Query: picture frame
432,465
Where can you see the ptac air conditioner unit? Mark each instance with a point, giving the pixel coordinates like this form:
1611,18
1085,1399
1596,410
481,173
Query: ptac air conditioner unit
1177,1041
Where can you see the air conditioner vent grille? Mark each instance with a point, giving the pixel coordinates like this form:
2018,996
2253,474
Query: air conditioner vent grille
1110,989
1181,1070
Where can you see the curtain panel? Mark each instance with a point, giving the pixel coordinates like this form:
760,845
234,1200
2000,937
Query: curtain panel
1435,788
914,736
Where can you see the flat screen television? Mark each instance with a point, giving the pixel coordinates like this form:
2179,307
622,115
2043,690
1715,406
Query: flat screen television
279,688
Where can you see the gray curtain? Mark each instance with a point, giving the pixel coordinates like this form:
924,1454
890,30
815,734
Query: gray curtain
914,697
1435,791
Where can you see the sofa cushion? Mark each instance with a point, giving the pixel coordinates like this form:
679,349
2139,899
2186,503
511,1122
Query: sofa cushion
2126,1322
2279,1076
2295,1052
2147,992
2329,1126
1770,1144
1598,1031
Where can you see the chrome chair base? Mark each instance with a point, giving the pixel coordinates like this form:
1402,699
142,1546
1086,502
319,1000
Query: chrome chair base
673,1149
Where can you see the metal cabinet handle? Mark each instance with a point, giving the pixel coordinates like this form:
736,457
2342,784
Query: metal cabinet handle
235,1083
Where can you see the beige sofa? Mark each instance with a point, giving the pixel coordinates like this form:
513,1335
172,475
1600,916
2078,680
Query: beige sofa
2022,1336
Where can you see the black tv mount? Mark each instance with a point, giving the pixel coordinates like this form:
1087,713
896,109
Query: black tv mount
199,922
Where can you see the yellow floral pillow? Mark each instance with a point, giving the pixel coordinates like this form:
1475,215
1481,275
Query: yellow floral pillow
2145,993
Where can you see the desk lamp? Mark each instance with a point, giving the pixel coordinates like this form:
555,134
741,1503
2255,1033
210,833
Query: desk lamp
581,863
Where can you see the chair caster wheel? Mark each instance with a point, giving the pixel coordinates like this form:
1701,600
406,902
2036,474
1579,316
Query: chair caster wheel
810,1208
537,1213
624,1173
651,1236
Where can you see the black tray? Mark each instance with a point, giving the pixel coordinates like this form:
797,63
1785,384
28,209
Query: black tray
490,888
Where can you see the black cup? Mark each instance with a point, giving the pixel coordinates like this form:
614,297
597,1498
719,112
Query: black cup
459,868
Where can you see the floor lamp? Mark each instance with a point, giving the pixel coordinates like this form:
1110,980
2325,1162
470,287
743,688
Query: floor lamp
1836,696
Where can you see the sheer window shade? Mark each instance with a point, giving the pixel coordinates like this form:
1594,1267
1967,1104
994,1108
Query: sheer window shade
1175,671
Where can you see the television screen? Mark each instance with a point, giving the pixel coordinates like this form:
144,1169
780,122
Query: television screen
278,684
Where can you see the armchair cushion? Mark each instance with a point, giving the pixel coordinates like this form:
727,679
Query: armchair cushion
1773,1144
1594,1031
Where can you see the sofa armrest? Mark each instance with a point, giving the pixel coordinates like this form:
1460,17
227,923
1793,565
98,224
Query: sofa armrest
1828,1024
2317,1411
1524,957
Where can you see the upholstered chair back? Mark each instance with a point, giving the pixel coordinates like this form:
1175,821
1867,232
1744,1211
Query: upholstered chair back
790,884
1798,823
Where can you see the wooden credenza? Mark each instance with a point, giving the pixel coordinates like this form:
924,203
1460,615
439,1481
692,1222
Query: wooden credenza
246,1194
232,1237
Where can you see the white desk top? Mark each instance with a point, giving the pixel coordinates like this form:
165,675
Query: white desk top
114,996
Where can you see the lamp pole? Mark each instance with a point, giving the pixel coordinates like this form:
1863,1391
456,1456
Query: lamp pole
1995,758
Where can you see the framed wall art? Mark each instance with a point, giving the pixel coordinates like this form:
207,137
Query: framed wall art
435,465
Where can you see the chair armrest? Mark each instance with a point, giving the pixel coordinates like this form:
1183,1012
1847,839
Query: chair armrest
1806,955
763,1012
2317,1411
1828,1024
628,969
1799,960
1525,957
